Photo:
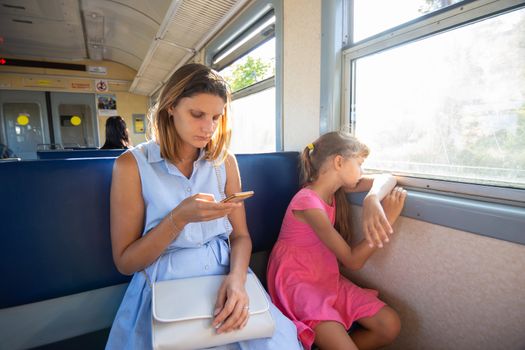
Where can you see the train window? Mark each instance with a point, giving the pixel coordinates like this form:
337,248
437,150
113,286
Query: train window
252,81
247,60
252,68
374,16
445,106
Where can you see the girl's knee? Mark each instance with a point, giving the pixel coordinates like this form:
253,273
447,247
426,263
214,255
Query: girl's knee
390,325
332,335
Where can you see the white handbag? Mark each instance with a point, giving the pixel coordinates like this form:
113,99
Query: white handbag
182,313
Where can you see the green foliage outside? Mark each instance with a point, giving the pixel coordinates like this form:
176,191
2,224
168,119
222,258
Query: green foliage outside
248,73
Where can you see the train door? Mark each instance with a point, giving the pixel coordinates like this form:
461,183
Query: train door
23,122
74,119
37,120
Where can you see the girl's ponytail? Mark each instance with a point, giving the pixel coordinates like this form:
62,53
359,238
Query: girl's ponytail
307,168
342,215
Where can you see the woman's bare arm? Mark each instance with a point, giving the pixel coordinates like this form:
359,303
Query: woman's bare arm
240,240
232,301
131,252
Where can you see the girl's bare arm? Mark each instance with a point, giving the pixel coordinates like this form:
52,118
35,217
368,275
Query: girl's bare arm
376,227
319,222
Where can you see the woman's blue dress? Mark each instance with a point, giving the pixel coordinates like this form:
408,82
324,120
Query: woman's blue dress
200,249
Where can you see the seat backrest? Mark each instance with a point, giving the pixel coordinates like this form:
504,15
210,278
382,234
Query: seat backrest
55,237
79,153
275,179
54,215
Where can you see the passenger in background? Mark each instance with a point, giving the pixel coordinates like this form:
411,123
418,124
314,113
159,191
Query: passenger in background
303,271
6,152
117,134
166,222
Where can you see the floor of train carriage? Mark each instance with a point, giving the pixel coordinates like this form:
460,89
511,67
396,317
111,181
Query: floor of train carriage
95,340
92,341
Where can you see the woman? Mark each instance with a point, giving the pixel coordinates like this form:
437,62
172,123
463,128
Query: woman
117,136
166,219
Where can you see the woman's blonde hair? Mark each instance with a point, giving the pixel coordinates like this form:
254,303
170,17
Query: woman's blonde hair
313,158
187,81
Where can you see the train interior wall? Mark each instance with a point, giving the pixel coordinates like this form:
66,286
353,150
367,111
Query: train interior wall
452,289
118,79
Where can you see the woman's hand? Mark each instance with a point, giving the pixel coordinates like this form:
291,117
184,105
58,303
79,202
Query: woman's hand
375,224
231,309
201,207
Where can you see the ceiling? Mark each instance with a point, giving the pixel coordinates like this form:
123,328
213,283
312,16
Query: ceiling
153,37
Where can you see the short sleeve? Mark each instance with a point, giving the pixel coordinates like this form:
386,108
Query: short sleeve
306,199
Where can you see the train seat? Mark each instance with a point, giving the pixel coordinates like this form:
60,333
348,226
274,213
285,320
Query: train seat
61,281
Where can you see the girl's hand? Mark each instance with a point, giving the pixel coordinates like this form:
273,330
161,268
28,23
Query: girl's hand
202,207
375,224
231,309
393,203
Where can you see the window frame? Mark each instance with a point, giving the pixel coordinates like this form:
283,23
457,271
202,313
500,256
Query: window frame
260,38
254,88
254,15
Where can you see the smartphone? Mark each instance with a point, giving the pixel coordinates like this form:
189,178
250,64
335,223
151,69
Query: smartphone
238,197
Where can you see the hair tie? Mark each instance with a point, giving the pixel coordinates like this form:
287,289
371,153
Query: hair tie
310,146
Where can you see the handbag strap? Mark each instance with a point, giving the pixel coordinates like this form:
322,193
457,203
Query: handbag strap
147,279
221,192
153,278
219,180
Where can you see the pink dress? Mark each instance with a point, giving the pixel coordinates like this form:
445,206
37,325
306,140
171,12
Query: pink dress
303,276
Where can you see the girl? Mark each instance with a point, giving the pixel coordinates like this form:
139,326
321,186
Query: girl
303,271
165,220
